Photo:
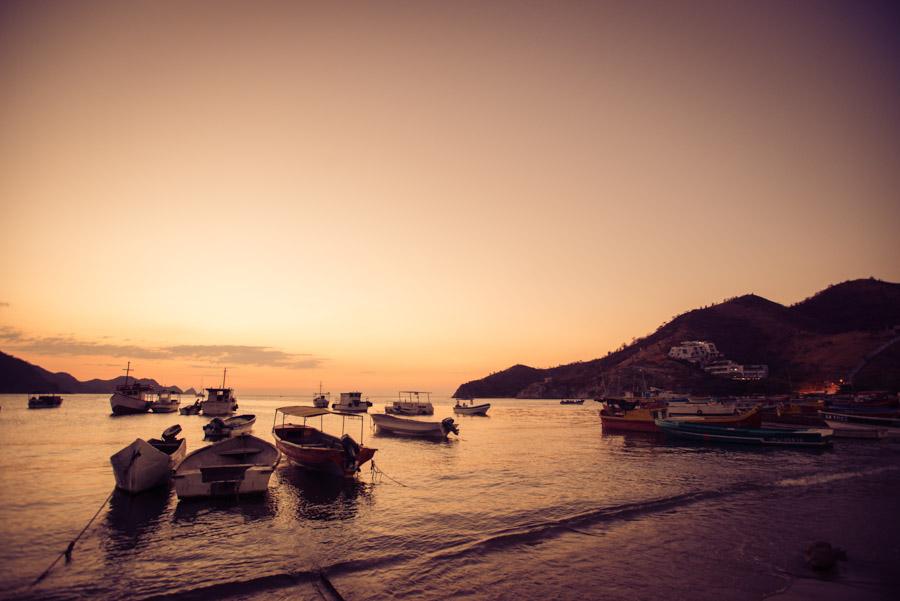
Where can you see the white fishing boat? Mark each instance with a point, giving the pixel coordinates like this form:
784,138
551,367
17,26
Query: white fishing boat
466,407
412,427
146,464
352,402
682,408
166,402
410,402
235,466
219,401
131,397
230,426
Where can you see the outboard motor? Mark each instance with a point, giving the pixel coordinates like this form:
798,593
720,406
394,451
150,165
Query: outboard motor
171,433
351,450
448,425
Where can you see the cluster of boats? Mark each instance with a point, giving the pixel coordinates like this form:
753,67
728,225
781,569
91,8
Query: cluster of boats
778,422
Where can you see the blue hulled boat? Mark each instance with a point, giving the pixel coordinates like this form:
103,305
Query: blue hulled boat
812,437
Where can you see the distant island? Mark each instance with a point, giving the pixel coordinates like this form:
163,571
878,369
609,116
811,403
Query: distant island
19,376
847,335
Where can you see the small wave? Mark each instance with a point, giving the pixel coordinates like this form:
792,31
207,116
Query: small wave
815,479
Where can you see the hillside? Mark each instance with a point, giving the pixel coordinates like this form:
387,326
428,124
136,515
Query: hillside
823,339
19,376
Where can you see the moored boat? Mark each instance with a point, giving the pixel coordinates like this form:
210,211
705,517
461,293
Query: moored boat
848,430
321,400
313,449
166,402
193,409
754,436
145,464
230,426
44,401
236,466
466,407
643,419
866,420
693,408
352,402
131,397
410,402
412,427
219,401
572,402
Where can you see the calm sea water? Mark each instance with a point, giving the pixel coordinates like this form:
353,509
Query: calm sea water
532,502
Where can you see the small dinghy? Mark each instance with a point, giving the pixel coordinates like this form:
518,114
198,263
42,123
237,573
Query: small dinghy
192,409
572,402
412,427
236,466
231,426
465,407
145,464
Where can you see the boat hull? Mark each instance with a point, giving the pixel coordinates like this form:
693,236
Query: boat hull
140,466
236,466
747,436
866,420
472,409
409,427
845,430
164,407
123,404
217,408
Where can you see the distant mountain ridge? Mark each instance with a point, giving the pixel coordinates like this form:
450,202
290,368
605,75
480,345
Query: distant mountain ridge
20,376
826,338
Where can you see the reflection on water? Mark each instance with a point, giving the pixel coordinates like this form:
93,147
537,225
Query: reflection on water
131,517
248,508
519,506
321,497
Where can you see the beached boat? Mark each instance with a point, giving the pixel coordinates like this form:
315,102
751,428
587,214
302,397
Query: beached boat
754,436
44,401
679,408
166,402
230,426
410,402
351,402
643,419
310,448
146,464
131,397
466,407
572,402
847,430
391,424
236,466
863,420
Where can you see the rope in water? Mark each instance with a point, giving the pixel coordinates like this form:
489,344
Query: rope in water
378,470
71,546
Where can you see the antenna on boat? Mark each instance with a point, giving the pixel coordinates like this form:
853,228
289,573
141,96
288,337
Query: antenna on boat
127,371
225,371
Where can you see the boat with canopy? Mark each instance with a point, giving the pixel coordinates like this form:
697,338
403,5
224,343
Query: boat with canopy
313,449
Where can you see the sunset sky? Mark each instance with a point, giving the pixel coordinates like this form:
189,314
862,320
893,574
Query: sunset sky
412,195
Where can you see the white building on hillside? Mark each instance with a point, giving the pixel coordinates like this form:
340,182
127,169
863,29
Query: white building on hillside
695,351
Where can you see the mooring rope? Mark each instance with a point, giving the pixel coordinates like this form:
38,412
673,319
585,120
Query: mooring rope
71,546
378,470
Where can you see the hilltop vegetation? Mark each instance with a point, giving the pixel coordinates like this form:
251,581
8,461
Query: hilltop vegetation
823,339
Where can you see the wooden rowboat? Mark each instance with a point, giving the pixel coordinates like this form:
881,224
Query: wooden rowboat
313,449
412,427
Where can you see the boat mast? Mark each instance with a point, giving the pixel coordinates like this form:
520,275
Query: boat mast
127,370
225,371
